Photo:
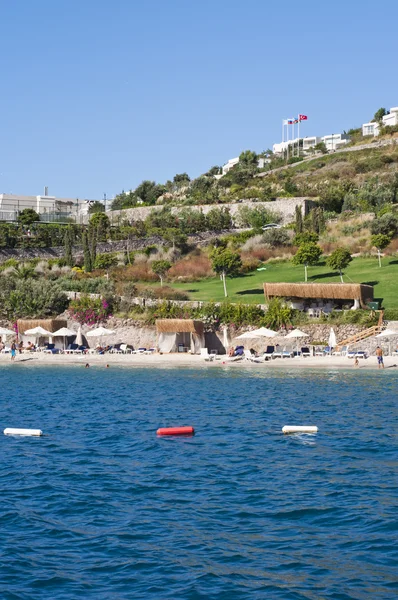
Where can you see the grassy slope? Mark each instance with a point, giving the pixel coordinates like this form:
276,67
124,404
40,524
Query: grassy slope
249,289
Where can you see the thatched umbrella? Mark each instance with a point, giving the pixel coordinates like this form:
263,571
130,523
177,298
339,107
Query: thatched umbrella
296,333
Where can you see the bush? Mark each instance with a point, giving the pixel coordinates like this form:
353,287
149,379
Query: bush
391,314
89,311
163,293
387,225
256,217
30,298
105,261
276,237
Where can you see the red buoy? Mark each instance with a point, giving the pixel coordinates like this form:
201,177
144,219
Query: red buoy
175,431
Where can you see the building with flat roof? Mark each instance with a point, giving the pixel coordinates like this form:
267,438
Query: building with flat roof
50,208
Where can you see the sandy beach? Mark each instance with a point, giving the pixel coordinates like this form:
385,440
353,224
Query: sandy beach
189,360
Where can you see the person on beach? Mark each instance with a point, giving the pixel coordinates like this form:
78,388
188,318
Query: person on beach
13,351
379,354
231,351
356,362
2,346
20,347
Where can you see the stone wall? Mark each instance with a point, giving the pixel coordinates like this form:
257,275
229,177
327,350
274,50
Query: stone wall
284,206
200,239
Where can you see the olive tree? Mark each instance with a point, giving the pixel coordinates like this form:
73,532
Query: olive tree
380,241
225,262
160,268
339,260
308,255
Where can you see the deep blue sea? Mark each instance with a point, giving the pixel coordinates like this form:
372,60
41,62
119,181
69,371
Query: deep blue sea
101,508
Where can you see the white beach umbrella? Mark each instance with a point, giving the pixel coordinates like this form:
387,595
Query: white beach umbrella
296,333
64,332
332,342
39,332
99,332
79,337
5,332
262,332
387,333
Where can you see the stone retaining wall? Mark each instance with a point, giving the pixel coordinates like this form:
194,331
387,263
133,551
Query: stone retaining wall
284,206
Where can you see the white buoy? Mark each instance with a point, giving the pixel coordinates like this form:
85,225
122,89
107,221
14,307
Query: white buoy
12,431
299,429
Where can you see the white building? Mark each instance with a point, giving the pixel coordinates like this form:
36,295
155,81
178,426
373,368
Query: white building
370,129
50,208
391,118
335,141
230,165
388,120
310,142
281,148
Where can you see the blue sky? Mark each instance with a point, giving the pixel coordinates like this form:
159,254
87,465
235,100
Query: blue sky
97,95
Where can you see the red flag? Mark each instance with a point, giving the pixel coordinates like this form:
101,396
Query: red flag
303,117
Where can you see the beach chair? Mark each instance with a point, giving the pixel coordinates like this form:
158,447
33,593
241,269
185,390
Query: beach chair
51,349
239,351
327,351
394,353
204,353
251,357
150,351
278,353
269,352
138,351
351,353
361,354
342,352
73,349
319,351
305,351
287,353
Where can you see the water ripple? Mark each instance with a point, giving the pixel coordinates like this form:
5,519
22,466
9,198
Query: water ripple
101,508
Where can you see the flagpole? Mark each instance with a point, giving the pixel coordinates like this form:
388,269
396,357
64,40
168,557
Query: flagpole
298,142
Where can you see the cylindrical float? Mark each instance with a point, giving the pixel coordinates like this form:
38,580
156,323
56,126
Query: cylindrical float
175,431
31,432
299,429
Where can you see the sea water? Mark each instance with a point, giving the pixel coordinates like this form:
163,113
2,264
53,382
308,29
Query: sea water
102,508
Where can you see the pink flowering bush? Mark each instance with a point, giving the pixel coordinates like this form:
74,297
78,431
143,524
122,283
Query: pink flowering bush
90,311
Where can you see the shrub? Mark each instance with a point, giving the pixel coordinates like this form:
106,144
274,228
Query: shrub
191,268
106,260
163,293
387,225
249,264
256,217
89,311
276,237
30,298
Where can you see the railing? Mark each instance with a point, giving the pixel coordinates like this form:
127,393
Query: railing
366,333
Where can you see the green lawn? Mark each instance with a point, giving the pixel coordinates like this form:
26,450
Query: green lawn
249,288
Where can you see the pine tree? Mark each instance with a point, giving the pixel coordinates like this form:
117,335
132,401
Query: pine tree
299,220
68,247
88,264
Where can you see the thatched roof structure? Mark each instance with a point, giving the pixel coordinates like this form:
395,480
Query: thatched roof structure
329,291
49,324
179,326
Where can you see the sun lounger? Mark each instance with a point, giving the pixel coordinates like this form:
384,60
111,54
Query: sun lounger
305,351
150,351
251,357
269,352
287,353
394,353
361,354
138,351
278,353
204,353
342,352
319,351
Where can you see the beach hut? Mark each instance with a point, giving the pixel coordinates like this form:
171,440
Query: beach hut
180,335
321,295
50,325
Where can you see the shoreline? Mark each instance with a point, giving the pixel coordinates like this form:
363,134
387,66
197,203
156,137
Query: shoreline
196,361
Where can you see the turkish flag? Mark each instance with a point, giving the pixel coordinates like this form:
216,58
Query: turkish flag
303,117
